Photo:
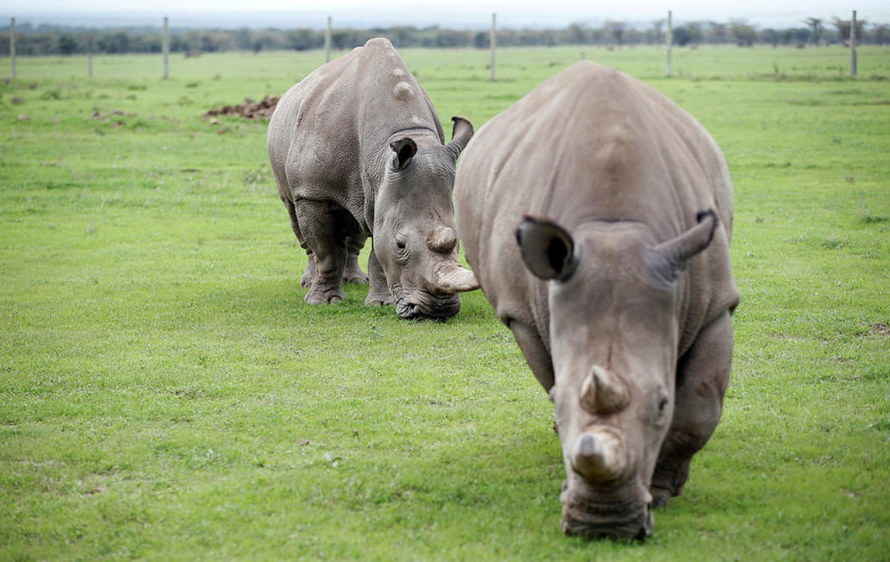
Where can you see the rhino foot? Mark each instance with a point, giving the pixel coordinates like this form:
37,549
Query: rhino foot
317,295
668,480
378,299
308,275
355,276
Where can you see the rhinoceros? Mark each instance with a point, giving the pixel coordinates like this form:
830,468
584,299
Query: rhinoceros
597,215
358,151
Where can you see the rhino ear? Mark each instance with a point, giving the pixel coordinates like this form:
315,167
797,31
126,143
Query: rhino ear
547,249
460,136
666,260
405,150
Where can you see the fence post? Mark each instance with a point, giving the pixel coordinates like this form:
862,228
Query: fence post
165,46
853,46
327,42
90,65
12,46
492,41
670,42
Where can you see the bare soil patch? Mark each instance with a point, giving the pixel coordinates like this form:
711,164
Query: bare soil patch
250,109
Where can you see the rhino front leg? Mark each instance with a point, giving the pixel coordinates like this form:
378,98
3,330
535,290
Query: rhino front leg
354,273
378,292
321,226
702,378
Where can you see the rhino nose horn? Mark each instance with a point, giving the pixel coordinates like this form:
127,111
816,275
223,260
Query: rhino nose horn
599,455
442,240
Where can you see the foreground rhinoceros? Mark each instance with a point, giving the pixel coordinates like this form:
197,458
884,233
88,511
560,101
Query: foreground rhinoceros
596,215
358,151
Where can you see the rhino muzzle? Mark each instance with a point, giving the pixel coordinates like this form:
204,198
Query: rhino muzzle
596,515
428,307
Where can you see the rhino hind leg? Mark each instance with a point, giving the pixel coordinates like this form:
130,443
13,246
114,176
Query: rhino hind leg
702,378
324,228
309,274
354,273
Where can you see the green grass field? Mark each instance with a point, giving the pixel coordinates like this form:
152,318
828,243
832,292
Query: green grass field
165,393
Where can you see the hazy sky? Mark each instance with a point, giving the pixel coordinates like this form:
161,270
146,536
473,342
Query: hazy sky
475,13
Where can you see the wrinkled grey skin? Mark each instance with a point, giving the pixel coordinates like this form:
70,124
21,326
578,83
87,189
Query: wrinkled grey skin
597,215
358,151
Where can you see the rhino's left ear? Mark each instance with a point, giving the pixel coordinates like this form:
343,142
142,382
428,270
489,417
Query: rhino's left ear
405,149
460,136
547,249
669,258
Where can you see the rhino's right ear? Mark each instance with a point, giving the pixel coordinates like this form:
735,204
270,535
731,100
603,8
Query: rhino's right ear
547,249
460,136
405,149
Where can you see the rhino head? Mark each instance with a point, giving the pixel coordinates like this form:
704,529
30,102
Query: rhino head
414,234
612,297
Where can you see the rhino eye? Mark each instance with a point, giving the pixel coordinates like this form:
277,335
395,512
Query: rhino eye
662,405
399,244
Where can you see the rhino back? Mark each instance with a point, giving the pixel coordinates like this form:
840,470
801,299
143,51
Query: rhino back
592,144
329,135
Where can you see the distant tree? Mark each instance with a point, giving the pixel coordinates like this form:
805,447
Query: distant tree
297,39
843,28
616,29
577,33
770,37
340,39
683,35
401,35
717,32
797,36
743,34
815,25
242,39
656,35
67,44
881,33
118,42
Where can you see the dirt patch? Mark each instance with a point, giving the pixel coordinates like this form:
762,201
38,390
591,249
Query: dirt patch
249,109
96,114
881,329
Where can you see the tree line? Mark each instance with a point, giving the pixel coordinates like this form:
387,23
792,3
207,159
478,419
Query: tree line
58,40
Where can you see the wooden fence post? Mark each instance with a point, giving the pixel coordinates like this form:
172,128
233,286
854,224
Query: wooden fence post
493,40
853,46
165,46
670,42
327,42
12,46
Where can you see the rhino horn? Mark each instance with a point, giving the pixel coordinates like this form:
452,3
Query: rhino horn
603,392
691,242
460,136
598,455
451,278
443,240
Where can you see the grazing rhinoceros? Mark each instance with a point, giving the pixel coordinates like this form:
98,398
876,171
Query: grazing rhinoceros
358,151
596,215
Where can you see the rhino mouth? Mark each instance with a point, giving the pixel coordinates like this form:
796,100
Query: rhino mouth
595,515
431,308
